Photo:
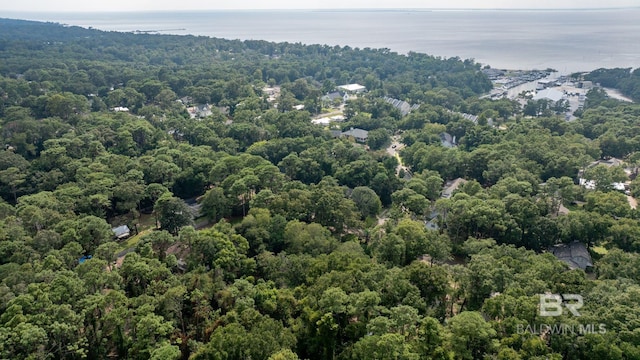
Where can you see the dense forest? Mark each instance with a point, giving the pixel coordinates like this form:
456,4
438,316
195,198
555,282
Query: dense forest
257,234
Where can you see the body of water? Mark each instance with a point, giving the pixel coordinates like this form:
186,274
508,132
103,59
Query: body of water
567,41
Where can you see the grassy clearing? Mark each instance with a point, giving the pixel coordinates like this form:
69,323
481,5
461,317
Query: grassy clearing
576,206
133,240
146,221
600,250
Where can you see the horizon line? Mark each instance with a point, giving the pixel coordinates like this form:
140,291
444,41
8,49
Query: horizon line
381,9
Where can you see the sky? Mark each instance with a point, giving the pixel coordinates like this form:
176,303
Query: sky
150,5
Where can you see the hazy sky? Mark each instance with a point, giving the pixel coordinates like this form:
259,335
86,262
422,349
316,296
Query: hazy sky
129,5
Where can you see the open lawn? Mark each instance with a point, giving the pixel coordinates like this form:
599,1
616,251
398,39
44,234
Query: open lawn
133,240
146,221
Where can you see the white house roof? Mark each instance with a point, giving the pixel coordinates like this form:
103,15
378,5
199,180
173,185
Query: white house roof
321,121
591,185
352,87
549,94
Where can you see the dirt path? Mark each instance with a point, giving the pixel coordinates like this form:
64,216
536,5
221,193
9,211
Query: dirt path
632,202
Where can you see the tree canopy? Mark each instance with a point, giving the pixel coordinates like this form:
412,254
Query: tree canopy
255,233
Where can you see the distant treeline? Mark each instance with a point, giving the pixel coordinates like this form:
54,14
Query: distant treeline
623,79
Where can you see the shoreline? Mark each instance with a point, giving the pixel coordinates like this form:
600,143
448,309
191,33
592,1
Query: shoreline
616,94
507,40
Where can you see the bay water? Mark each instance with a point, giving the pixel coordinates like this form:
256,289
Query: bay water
567,40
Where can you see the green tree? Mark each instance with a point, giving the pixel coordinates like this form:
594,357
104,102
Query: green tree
378,138
604,176
172,213
311,238
13,178
215,205
384,347
285,354
472,336
366,200
390,249
93,232
610,203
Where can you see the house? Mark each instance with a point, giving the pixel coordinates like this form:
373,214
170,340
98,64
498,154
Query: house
546,83
200,111
404,107
451,186
587,85
224,110
120,109
324,121
121,232
550,95
181,265
473,118
610,162
336,133
331,97
186,100
493,74
447,140
432,219
327,120
272,93
591,185
358,134
195,207
353,88
432,225
574,254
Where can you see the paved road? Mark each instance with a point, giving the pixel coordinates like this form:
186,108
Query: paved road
393,150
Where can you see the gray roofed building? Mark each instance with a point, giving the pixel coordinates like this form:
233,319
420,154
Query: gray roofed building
492,73
121,232
332,96
404,107
432,224
186,100
470,117
451,186
194,207
447,140
358,134
200,111
608,162
574,254
549,94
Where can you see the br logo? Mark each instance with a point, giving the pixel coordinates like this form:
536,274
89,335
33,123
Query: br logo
552,304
